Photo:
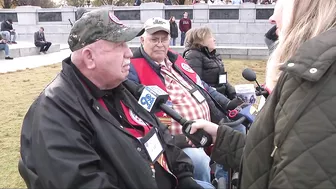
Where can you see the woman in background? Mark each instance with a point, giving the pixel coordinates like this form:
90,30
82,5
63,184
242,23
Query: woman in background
200,53
173,31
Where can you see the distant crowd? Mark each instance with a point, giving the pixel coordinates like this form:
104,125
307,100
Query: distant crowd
223,2
8,37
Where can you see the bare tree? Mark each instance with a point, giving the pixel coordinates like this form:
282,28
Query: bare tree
77,3
129,2
6,4
13,3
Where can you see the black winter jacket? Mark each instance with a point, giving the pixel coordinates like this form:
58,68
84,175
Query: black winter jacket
173,30
209,66
69,141
6,26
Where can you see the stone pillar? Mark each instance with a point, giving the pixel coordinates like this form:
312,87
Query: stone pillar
247,12
201,12
27,15
150,10
68,13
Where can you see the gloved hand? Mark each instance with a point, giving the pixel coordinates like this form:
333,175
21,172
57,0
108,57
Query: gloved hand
188,183
271,34
234,103
181,141
243,110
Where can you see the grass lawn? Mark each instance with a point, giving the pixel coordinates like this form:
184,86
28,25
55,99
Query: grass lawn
19,89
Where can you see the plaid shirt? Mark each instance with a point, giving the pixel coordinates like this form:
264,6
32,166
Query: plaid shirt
183,102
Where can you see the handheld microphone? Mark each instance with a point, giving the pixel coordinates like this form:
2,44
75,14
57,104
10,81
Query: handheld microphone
250,75
153,99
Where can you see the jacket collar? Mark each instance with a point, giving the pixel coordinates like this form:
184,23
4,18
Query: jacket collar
203,49
71,76
170,55
314,57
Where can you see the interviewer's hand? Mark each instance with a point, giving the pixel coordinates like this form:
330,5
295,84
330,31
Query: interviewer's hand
207,126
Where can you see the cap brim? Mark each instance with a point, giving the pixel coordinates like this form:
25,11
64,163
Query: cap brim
156,29
126,34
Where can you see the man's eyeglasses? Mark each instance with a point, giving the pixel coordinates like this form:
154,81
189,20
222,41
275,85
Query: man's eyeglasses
158,40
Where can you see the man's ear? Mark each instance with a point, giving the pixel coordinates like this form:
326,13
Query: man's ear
142,40
88,57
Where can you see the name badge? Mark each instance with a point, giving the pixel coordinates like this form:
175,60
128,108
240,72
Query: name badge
222,78
152,144
197,95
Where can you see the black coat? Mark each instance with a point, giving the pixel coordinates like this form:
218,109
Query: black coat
209,66
6,26
38,38
69,141
173,30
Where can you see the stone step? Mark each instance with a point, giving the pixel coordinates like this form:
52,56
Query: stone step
23,49
229,52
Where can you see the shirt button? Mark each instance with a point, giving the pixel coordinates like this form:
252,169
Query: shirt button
97,107
139,149
313,70
291,64
121,126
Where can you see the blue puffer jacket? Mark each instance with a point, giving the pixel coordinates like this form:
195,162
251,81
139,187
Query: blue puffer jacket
216,101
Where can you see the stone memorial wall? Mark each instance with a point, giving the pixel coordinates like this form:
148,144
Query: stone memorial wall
232,25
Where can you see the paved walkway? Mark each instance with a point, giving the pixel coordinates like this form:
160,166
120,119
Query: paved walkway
23,63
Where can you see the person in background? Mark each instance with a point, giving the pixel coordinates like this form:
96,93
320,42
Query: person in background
137,2
200,54
291,142
237,2
184,25
40,41
173,31
4,46
80,12
154,64
8,31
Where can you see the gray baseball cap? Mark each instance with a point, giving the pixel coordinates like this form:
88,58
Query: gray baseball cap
156,24
100,24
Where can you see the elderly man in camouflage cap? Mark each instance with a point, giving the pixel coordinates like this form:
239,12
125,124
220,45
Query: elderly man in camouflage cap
86,130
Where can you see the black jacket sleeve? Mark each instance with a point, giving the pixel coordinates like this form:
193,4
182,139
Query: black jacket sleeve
180,162
195,62
228,148
36,37
5,26
61,151
230,91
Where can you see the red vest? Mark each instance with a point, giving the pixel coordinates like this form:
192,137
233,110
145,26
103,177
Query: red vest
136,121
147,76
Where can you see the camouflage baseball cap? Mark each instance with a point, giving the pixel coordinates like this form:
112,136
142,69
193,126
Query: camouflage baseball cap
100,24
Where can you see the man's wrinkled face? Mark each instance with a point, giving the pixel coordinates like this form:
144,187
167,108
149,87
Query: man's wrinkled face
156,45
111,63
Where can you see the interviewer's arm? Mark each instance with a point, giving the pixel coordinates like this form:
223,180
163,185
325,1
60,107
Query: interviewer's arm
228,148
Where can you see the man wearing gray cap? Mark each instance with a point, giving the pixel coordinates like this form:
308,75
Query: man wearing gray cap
154,64
76,133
